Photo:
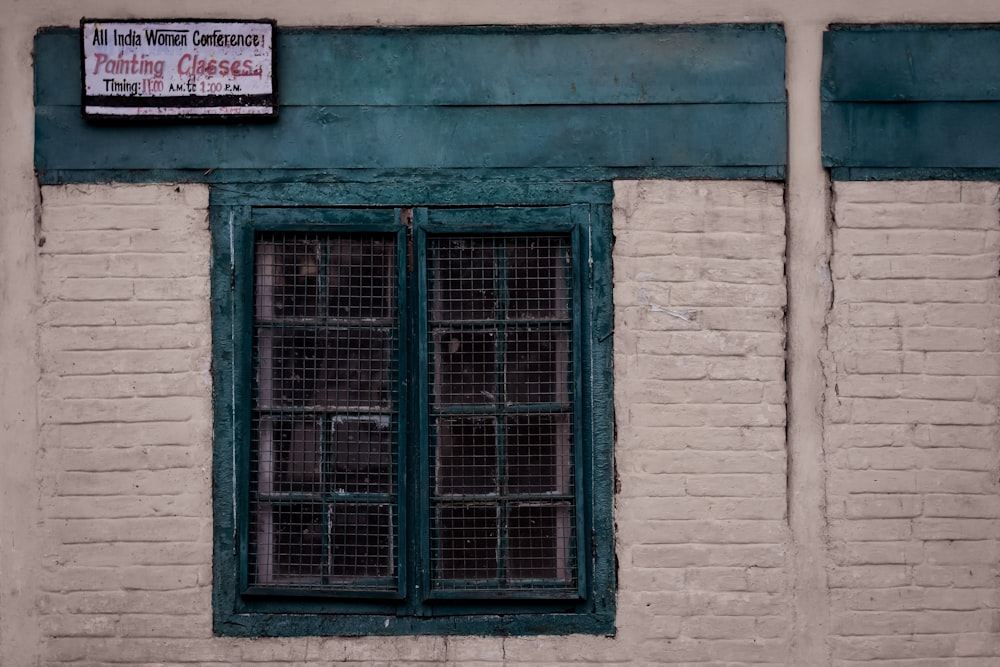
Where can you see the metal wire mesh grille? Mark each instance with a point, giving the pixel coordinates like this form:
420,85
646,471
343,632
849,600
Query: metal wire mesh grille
502,492
323,485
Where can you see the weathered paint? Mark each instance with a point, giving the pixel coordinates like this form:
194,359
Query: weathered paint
237,614
642,97
497,65
909,102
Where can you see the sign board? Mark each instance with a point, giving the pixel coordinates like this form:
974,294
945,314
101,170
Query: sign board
178,69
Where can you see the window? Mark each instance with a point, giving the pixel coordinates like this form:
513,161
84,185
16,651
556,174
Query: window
412,429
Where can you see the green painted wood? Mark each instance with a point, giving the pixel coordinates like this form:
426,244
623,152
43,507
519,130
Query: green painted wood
500,219
911,63
57,62
913,174
695,97
494,65
424,186
400,192
689,135
946,135
226,564
911,101
237,613
517,66
306,624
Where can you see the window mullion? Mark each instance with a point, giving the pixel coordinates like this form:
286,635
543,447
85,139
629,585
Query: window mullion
500,392
418,471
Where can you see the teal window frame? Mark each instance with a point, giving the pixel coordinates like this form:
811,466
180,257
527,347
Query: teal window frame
581,211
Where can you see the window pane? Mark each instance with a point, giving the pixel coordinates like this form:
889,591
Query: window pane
538,277
290,544
466,544
362,277
289,455
539,541
288,277
466,456
463,278
465,367
538,366
361,540
360,458
323,459
539,457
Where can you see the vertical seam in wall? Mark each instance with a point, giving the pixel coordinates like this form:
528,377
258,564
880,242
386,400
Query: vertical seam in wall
808,294
787,366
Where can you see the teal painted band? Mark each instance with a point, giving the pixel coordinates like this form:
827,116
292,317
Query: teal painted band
687,135
911,174
425,185
911,101
494,65
632,97
911,63
916,135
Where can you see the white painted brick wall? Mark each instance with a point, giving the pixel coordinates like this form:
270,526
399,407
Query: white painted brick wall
125,412
911,425
126,434
911,435
700,402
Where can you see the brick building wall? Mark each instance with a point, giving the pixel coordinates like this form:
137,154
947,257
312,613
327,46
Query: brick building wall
700,408
126,425
125,420
705,572
911,424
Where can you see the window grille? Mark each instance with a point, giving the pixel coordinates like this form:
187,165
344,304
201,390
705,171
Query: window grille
323,496
500,357
412,443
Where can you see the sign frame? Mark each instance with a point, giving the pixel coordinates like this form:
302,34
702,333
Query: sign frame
214,102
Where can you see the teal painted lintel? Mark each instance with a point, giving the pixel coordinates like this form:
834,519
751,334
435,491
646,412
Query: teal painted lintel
698,99
418,179
911,62
912,135
913,174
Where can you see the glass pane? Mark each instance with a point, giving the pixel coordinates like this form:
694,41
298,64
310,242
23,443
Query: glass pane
538,277
329,367
360,459
465,367
290,543
539,458
288,277
362,277
462,279
539,541
537,368
466,542
289,456
360,540
466,456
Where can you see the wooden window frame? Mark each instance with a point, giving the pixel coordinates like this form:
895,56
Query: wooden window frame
243,610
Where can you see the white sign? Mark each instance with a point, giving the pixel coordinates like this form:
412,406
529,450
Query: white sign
178,68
